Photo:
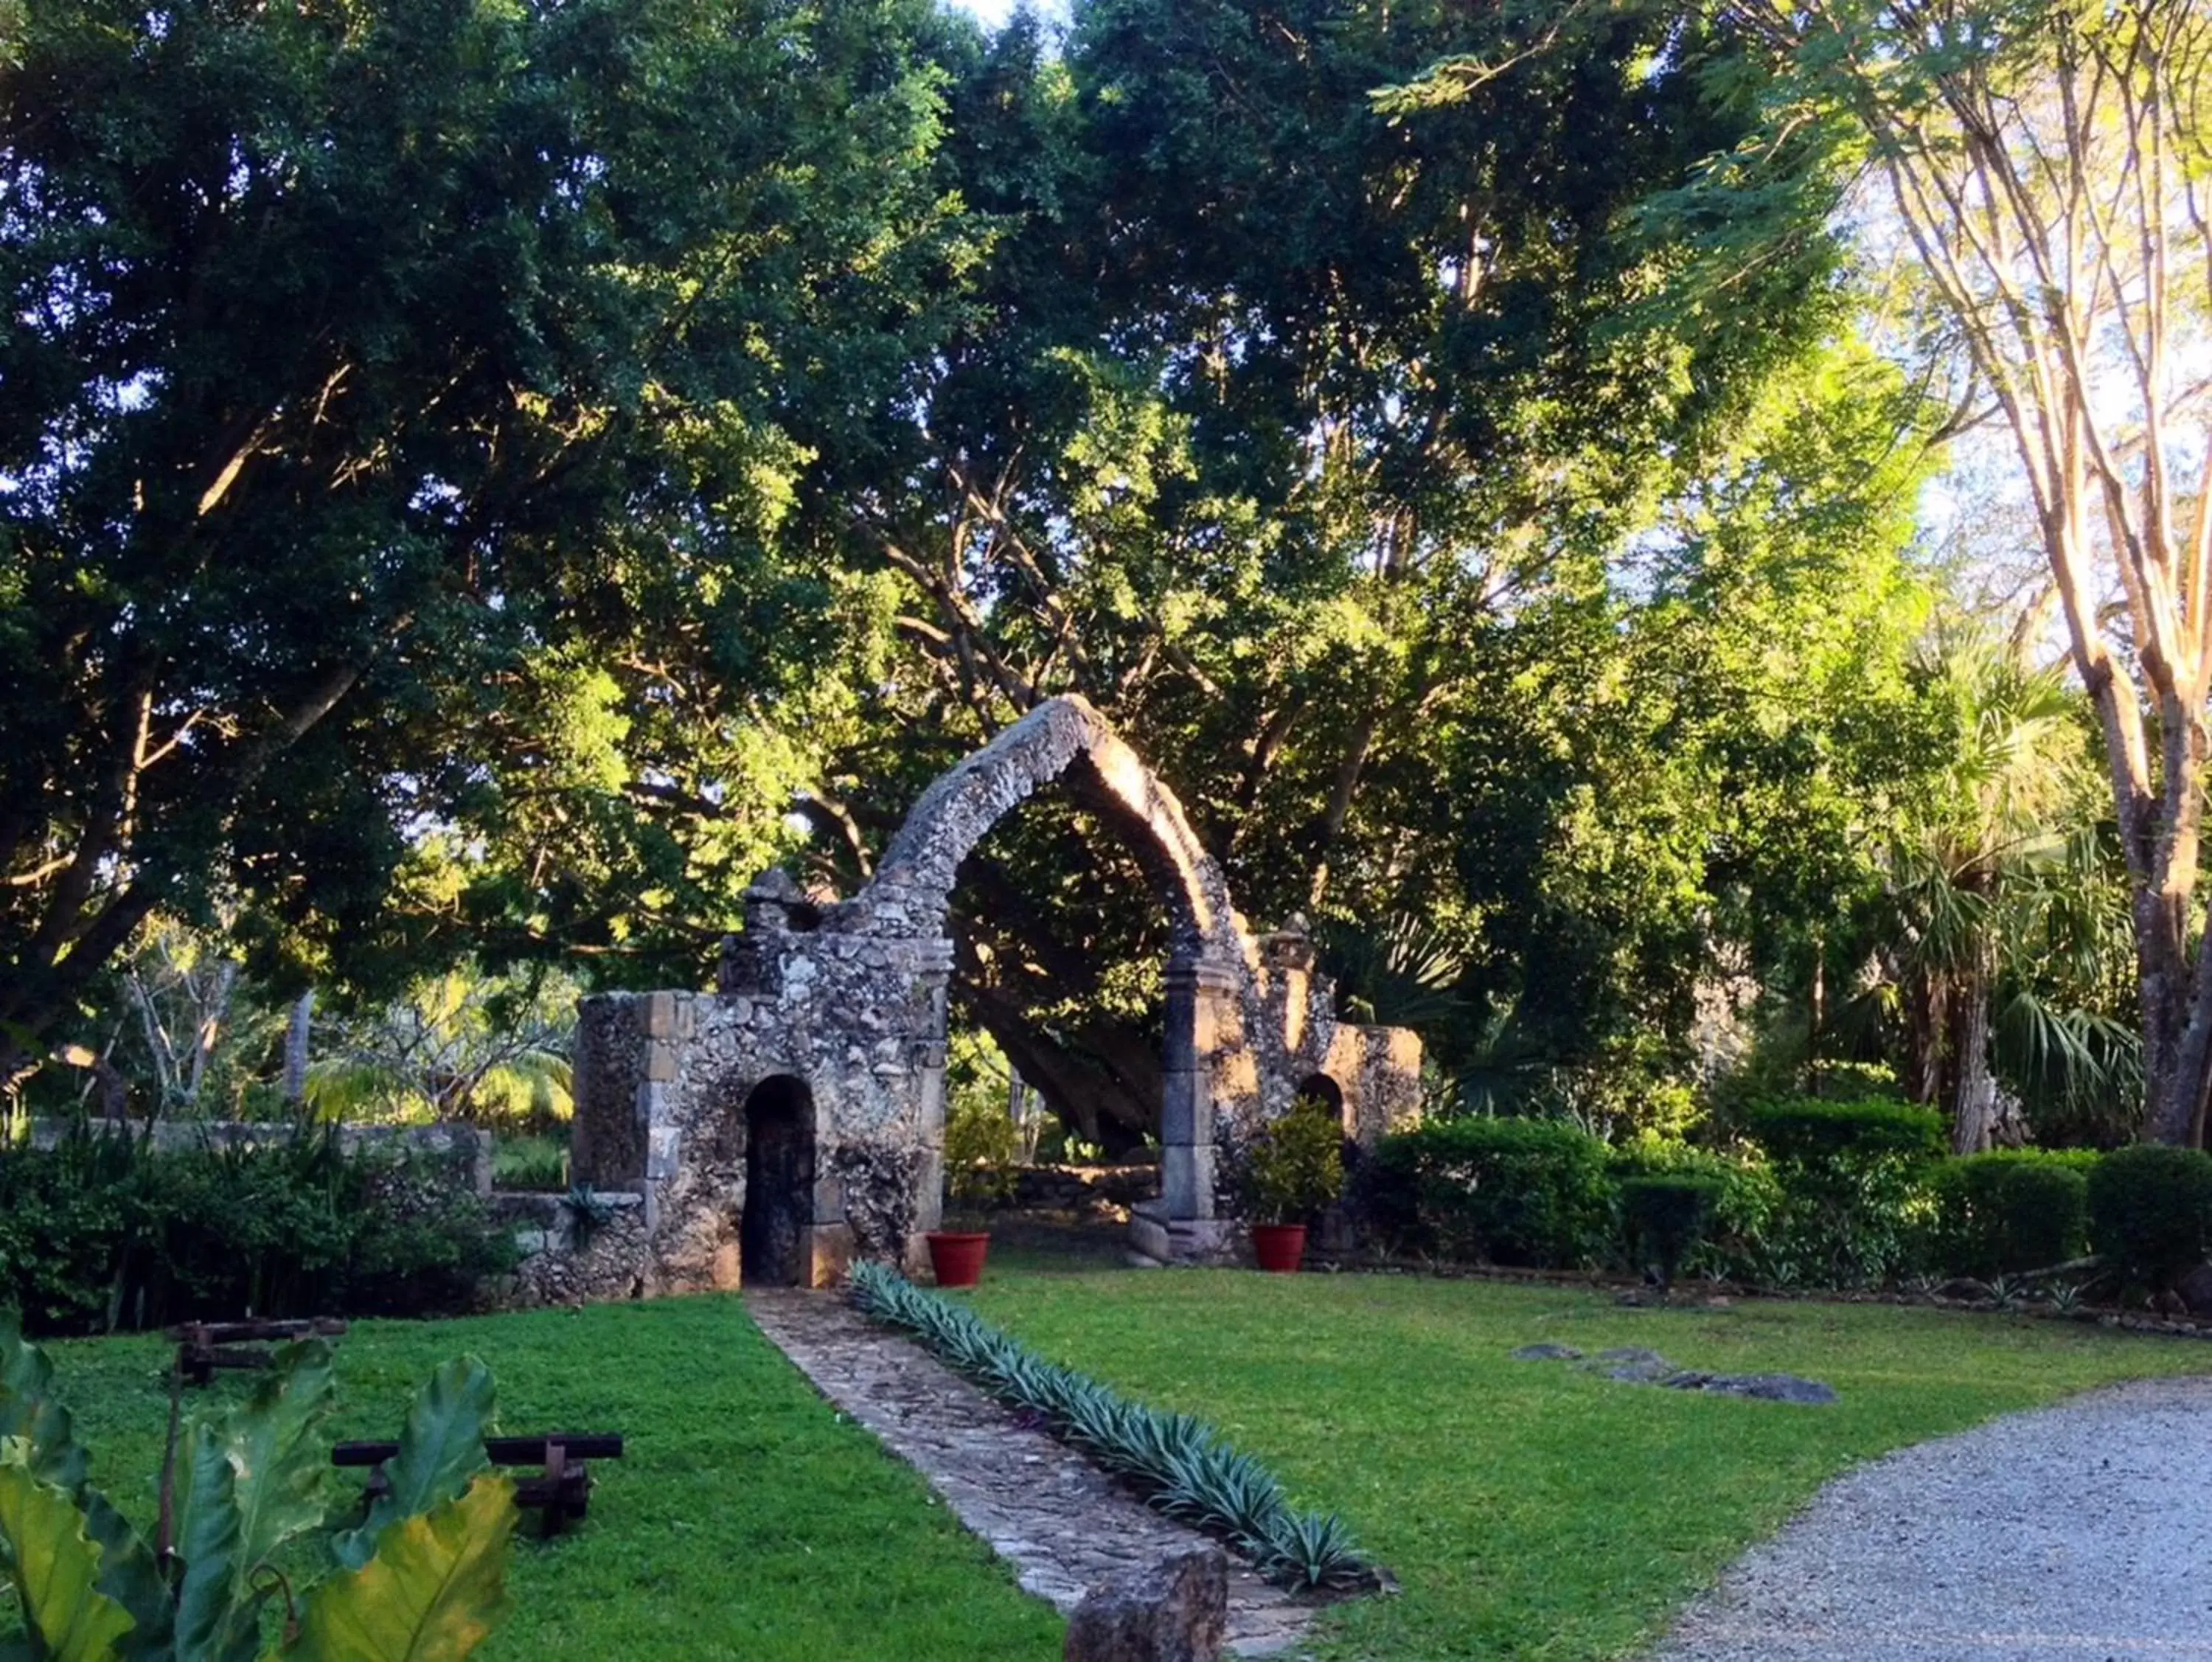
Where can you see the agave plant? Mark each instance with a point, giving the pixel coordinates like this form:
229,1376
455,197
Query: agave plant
1175,1461
421,1579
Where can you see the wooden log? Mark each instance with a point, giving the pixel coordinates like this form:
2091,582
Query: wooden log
500,1451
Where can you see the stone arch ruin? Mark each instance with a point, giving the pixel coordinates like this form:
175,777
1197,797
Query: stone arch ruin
848,1002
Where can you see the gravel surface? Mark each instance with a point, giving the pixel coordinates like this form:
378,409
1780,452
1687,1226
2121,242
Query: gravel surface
2079,1533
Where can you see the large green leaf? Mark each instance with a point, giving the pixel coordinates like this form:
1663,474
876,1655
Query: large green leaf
54,1567
207,1534
29,1410
432,1592
274,1448
245,1485
129,1576
440,1450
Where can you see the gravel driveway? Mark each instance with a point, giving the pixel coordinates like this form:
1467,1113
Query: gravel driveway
2079,1533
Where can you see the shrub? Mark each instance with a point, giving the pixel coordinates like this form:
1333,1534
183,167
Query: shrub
104,1232
1731,1243
978,1131
1511,1192
1810,1128
2149,1209
1667,1216
536,1164
1293,1167
1855,1208
2015,1210
422,1575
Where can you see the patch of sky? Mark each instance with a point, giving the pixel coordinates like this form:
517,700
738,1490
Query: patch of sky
435,496
572,187
994,13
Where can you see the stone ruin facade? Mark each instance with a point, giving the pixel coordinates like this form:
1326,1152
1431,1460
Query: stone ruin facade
795,1118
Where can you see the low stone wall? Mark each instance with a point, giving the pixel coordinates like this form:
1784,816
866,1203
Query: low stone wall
558,1267
1083,1188
462,1149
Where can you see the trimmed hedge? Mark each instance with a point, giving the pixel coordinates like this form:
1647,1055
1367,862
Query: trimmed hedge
1667,1216
1805,1129
2150,1212
2014,1211
1522,1192
104,1232
1855,1210
1742,1217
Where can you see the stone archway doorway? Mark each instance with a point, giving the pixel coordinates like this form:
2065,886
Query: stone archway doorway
1321,1088
779,1203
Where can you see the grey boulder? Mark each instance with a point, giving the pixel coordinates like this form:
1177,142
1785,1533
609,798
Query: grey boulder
1176,1612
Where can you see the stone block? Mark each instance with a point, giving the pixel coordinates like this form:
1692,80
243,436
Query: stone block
663,1145
1186,1180
2194,1288
660,1063
1148,1233
1176,1612
828,1252
661,1015
1202,1241
727,1270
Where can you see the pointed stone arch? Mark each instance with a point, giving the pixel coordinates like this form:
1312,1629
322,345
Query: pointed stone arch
1062,738
846,1003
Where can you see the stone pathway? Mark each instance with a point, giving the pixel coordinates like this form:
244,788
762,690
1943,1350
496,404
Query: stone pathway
1063,1524
2077,1533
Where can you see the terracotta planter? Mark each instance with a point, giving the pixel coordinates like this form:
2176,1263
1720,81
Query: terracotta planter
956,1257
1279,1246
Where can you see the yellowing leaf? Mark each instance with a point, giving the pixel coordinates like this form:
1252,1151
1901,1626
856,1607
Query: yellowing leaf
53,1564
432,1593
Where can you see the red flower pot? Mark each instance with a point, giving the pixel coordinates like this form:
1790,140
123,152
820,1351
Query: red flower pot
956,1257
1279,1246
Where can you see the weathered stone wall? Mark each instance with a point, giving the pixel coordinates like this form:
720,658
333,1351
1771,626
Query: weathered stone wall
608,1070
562,1266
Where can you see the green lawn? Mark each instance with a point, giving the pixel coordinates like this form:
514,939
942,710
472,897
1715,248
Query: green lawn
746,1521
1529,1511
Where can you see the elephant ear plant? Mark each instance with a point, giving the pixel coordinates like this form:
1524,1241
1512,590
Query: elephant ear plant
421,1579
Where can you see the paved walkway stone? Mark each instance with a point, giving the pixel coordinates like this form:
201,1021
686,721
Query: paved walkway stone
1063,1524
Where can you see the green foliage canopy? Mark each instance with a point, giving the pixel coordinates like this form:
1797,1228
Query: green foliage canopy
397,437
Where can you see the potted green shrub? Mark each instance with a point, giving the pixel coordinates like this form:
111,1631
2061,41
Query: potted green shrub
1292,1169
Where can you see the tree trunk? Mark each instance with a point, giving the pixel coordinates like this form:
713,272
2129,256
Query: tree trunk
1974,1098
1103,1079
209,1032
297,1032
1927,1029
1356,752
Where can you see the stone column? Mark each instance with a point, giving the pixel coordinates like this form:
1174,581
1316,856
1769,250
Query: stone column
932,983
1198,991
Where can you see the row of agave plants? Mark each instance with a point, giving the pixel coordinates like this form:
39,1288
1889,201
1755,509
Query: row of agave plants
1178,1463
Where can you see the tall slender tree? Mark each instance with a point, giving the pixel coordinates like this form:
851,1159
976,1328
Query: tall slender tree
2048,166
